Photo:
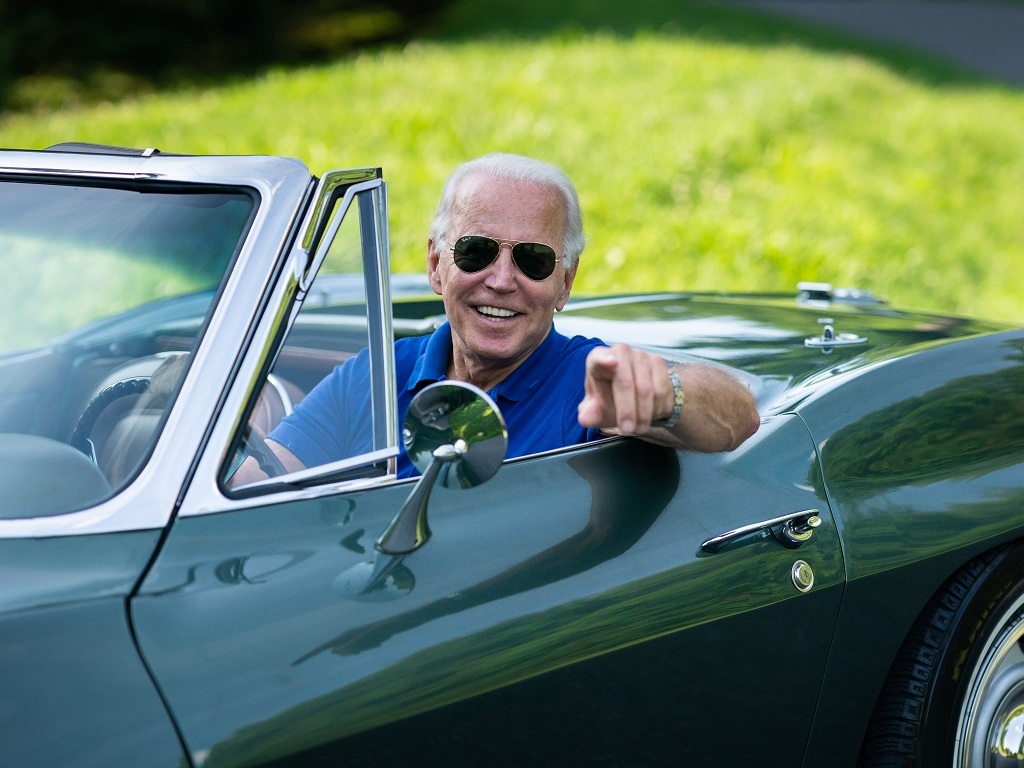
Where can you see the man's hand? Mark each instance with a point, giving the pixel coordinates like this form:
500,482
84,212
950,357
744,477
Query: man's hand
627,389
251,471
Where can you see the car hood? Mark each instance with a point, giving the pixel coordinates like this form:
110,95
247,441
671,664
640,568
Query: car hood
778,343
775,342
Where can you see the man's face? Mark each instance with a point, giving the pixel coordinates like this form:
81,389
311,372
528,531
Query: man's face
498,315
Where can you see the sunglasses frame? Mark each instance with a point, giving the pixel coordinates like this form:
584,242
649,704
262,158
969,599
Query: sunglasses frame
512,244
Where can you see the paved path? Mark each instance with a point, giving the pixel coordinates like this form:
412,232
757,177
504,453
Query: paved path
983,37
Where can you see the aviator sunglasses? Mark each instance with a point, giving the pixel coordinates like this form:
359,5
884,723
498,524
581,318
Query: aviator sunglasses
474,252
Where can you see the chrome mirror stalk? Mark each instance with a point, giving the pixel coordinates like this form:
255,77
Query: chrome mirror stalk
455,435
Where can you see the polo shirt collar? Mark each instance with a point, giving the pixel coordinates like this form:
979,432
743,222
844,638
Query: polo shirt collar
432,365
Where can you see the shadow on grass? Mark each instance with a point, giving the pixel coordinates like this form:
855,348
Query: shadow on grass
711,22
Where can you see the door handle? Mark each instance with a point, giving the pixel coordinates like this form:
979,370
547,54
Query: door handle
791,530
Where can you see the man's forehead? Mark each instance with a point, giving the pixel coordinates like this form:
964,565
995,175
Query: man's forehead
480,193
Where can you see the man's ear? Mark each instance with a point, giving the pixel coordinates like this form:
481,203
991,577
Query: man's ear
565,287
433,266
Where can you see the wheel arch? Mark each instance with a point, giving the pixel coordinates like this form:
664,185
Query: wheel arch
918,713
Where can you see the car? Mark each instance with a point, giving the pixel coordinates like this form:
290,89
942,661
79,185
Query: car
845,588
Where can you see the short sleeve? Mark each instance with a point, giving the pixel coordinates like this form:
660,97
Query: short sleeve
333,421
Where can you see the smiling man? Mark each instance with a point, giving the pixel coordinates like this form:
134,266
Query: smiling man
502,253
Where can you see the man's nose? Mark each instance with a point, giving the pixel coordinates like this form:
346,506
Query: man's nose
502,271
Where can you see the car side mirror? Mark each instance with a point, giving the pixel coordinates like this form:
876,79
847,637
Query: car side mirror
455,435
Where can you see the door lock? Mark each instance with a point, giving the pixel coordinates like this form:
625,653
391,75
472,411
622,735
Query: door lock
796,530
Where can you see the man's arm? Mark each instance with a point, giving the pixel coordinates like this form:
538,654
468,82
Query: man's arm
627,389
250,471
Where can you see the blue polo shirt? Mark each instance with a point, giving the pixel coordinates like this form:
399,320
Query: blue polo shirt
538,400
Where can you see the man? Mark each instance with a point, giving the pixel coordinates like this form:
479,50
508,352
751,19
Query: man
502,253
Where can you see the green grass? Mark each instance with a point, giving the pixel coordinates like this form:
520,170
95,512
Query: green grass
713,148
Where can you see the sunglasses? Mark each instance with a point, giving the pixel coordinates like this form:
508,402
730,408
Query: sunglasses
474,252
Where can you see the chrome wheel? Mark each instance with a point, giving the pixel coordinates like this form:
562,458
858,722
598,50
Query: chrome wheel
990,731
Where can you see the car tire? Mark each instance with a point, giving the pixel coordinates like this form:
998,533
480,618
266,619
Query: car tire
955,693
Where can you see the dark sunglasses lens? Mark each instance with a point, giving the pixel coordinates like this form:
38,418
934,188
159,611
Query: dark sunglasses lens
473,253
536,260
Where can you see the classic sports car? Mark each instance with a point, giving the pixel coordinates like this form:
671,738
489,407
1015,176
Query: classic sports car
846,588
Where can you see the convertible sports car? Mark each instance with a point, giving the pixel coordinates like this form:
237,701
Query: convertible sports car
846,588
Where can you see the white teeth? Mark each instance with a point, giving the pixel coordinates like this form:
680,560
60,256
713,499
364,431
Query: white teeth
495,312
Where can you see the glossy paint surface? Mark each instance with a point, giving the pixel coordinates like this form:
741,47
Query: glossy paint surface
924,465
921,434
519,596
73,691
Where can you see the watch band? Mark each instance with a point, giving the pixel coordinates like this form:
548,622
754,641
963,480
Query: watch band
677,408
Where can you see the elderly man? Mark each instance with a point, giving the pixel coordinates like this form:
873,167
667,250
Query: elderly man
503,252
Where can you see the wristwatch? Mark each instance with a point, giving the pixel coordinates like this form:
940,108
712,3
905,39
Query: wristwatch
677,408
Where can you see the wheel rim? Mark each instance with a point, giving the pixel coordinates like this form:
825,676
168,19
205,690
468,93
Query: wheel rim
990,731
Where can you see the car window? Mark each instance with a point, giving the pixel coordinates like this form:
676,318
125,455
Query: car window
105,292
316,398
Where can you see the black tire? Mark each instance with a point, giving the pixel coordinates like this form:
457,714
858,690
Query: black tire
955,693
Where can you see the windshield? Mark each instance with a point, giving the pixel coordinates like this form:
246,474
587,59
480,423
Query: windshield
71,255
104,293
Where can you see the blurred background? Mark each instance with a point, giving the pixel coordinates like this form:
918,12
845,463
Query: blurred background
716,146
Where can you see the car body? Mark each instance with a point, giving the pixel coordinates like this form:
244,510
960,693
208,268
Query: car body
612,603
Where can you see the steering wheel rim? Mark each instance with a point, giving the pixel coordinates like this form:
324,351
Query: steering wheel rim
137,385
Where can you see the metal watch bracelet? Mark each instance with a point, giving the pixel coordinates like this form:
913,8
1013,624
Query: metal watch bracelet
677,407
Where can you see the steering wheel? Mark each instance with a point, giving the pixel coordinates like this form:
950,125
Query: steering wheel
80,437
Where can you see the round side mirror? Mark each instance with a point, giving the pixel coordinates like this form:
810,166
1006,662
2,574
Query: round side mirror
455,435
463,424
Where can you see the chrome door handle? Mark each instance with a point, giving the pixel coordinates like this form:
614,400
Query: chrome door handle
791,530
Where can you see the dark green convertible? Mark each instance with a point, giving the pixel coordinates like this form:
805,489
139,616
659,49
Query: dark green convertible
846,588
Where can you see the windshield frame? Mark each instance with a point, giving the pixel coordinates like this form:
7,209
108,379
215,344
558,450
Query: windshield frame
281,189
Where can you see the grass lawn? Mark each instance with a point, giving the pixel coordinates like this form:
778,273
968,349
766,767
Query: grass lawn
713,148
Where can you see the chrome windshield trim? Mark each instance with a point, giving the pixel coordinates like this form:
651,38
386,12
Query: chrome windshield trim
77,173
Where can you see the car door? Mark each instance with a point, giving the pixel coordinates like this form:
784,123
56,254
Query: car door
618,602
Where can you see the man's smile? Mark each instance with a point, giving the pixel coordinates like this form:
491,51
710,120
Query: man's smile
495,313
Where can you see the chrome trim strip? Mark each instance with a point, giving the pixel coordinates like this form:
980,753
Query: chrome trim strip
324,470
323,245
381,335
331,181
77,173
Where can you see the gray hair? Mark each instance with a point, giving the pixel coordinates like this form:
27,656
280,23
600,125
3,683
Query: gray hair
521,169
